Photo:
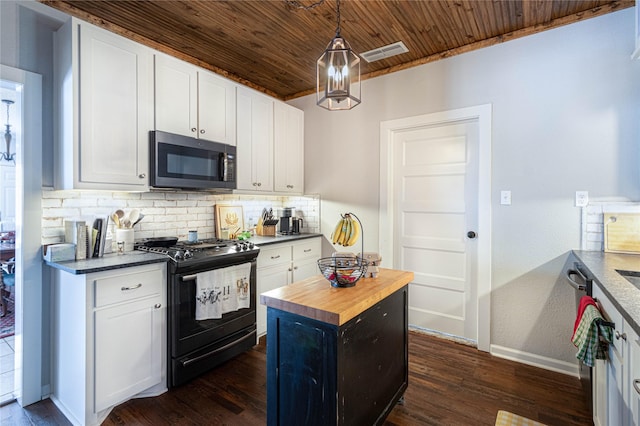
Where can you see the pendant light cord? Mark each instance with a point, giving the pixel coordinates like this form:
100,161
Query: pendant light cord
338,19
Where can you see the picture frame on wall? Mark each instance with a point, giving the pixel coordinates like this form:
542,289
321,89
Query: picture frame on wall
229,221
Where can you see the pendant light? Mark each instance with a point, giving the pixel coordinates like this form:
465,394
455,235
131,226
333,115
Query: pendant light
338,74
8,156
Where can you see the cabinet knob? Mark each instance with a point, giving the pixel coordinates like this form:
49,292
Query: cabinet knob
295,268
290,186
202,131
471,234
636,382
290,269
259,183
255,184
622,336
158,305
193,129
142,175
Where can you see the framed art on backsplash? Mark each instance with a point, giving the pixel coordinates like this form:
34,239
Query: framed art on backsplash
229,221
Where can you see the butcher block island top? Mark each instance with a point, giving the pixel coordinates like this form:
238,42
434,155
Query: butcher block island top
315,298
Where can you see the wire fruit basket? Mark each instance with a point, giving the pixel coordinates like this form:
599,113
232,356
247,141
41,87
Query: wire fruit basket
343,271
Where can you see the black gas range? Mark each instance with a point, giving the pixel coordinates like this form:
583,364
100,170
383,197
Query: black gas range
210,251
195,346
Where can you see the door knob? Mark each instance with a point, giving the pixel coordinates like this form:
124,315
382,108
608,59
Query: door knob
471,234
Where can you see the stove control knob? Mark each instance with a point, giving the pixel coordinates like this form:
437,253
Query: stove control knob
188,254
238,247
178,255
251,245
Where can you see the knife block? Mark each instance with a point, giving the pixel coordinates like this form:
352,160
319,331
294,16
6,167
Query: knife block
265,230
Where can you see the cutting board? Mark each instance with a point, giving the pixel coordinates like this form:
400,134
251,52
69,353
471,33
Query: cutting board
622,232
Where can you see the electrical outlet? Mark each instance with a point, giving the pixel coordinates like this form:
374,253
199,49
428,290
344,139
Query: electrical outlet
505,198
582,198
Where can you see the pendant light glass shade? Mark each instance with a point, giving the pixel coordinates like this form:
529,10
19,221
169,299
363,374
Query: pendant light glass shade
338,74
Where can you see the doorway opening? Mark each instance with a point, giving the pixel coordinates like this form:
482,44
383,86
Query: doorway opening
11,124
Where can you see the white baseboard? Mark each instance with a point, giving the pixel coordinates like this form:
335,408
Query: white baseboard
534,360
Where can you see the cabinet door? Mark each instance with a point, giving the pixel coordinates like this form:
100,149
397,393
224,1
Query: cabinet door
634,376
115,110
305,269
615,387
128,350
254,133
289,148
268,279
176,103
216,108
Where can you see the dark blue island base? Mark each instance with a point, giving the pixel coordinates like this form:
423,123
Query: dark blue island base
319,373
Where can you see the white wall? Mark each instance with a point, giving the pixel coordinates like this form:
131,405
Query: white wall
565,118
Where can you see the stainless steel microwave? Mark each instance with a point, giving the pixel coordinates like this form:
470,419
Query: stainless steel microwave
183,162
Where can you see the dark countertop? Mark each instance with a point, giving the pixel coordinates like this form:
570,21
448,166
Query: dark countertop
108,262
135,258
261,241
624,295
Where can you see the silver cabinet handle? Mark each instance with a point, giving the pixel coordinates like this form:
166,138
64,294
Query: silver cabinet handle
635,385
259,183
158,305
622,336
131,288
307,250
290,269
290,186
202,131
275,257
295,268
142,175
193,129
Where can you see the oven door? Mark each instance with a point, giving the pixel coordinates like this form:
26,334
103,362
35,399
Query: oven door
189,334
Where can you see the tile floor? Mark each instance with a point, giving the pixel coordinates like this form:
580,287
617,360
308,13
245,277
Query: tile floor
6,368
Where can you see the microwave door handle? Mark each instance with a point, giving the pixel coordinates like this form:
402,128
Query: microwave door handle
222,166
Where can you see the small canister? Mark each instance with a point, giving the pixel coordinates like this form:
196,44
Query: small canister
193,236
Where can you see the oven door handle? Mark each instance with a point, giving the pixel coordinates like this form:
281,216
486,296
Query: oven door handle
186,362
189,277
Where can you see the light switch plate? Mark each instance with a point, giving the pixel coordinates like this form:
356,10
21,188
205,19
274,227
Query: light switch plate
582,198
505,198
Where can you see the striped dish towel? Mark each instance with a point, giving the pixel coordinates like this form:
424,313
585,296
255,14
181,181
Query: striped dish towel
589,334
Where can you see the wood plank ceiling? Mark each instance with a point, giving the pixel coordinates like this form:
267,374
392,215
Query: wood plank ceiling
273,45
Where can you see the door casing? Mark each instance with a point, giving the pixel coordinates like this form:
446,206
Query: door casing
482,114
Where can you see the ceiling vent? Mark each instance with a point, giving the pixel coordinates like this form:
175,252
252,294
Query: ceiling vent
384,52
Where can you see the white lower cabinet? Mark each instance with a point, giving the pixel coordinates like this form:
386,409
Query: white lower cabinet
614,395
109,339
282,264
634,376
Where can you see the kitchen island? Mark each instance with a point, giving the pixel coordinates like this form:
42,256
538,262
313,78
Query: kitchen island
337,355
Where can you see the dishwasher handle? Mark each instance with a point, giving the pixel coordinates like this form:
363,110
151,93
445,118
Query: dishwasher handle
578,286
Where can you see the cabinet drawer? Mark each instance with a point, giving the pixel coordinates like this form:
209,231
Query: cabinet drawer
307,249
127,287
274,256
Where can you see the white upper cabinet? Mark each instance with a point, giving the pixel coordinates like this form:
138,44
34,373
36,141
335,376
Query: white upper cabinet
104,107
191,101
289,149
255,141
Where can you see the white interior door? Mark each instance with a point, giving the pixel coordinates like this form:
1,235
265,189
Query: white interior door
437,184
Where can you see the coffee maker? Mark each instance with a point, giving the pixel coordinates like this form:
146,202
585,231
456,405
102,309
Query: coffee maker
289,224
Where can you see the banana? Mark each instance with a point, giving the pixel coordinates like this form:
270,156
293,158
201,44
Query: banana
355,234
347,231
336,232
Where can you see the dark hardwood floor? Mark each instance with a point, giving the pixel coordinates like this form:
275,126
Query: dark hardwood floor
449,384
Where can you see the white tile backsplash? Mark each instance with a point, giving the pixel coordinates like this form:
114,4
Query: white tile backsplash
165,213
